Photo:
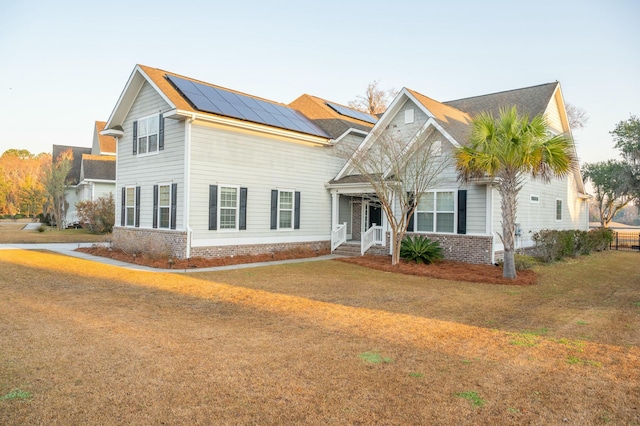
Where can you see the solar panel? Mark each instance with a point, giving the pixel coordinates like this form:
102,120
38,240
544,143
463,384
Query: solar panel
348,112
224,102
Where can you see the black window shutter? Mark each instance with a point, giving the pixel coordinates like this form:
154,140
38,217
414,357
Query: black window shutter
123,207
412,200
135,138
274,209
462,211
296,213
213,207
155,206
161,133
174,205
137,220
242,221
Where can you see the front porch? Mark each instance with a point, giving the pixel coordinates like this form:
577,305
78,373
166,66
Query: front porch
357,221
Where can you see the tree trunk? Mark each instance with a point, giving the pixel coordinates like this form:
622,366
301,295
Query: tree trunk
508,232
396,241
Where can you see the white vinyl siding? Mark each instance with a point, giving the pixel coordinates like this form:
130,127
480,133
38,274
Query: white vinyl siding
260,164
146,171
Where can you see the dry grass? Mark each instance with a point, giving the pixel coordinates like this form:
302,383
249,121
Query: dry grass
11,232
290,344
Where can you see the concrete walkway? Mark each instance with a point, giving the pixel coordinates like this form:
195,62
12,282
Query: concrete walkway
68,249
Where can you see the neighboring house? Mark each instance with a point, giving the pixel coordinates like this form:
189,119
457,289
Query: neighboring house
209,171
93,171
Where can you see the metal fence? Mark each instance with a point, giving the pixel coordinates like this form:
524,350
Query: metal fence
626,241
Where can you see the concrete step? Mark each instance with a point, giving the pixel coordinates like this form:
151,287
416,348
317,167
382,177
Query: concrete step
348,250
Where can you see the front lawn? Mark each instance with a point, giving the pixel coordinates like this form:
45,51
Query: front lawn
12,232
316,343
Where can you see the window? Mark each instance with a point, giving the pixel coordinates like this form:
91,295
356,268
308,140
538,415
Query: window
130,209
228,207
148,135
436,148
558,210
230,212
165,201
534,199
285,210
436,212
409,116
164,206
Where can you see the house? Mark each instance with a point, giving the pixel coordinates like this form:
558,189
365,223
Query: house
93,171
208,171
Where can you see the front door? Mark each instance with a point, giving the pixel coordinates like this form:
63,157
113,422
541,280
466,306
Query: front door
374,216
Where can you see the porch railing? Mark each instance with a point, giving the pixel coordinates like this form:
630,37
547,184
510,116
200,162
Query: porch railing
338,235
371,236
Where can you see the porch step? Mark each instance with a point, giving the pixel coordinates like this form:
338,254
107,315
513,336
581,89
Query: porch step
348,249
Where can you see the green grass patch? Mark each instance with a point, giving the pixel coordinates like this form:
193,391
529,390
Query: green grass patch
576,360
636,304
573,344
472,397
16,394
582,323
528,338
416,375
375,358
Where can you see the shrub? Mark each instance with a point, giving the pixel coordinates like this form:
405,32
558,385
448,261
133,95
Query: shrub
553,245
140,243
42,228
420,249
600,239
98,216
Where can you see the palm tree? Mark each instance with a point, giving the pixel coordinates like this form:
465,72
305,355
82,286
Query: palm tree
509,149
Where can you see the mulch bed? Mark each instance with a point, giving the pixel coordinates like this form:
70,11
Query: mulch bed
197,262
446,270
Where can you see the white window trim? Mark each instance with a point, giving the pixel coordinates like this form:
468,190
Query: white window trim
555,210
435,213
293,209
534,201
160,185
409,116
126,207
148,153
219,215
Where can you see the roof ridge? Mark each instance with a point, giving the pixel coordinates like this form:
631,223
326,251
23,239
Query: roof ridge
500,92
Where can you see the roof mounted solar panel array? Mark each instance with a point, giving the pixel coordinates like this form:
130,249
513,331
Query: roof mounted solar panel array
348,112
230,104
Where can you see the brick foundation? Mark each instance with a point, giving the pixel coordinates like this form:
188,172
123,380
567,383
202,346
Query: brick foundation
464,248
257,249
160,241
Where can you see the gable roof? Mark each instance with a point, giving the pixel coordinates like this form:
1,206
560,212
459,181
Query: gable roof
74,174
453,121
105,144
184,104
98,167
327,118
532,100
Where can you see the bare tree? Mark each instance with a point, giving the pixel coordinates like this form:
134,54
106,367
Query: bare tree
577,116
55,182
375,100
399,172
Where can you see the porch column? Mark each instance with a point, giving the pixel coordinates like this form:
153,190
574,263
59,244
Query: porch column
335,209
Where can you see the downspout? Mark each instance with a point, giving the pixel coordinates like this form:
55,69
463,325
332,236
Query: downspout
187,182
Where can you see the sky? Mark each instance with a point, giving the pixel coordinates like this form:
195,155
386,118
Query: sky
64,64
